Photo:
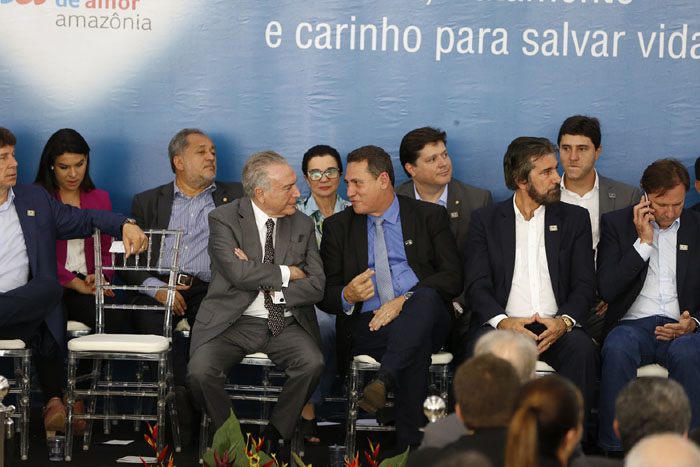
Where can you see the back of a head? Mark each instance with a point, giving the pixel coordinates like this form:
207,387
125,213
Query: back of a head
465,458
651,405
547,410
486,388
664,450
513,347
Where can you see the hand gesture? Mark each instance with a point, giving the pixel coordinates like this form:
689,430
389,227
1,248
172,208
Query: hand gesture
135,241
360,287
387,313
643,215
556,327
668,332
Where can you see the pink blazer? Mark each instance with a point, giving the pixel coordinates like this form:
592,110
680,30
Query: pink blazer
95,199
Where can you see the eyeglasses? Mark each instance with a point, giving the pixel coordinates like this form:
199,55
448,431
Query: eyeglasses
317,175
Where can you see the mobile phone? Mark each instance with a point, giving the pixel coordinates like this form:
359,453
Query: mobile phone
645,196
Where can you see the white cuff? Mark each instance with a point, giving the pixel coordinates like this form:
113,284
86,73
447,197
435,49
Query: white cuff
278,298
285,276
497,319
643,249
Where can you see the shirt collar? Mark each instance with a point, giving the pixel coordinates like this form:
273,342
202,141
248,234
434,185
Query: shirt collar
10,199
596,186
519,215
391,215
442,201
260,217
671,228
209,189
312,206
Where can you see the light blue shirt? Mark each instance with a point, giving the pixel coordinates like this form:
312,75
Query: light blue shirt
442,201
402,276
191,215
13,251
309,207
659,294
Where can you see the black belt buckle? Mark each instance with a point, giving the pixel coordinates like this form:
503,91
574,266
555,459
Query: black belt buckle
184,279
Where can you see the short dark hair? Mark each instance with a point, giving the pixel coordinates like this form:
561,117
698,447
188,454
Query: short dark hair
415,140
63,141
378,160
581,125
697,169
664,175
320,150
651,405
520,156
486,387
7,138
179,142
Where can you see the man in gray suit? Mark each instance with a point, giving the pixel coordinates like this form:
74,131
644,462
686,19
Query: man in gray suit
582,185
424,157
266,276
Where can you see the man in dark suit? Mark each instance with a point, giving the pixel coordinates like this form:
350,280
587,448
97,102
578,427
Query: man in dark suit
582,185
424,157
696,206
486,388
266,276
529,265
400,314
30,222
648,272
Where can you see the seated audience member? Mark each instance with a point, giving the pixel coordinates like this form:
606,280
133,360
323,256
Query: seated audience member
466,458
64,171
582,185
664,450
515,348
696,206
266,276
425,160
486,388
547,424
648,272
392,270
31,221
530,266
322,169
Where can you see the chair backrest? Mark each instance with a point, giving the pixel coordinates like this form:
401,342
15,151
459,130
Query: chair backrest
154,259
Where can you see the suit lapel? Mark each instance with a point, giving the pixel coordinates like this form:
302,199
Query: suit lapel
684,241
455,207
408,229
552,239
606,195
250,237
506,221
27,220
165,206
358,234
220,196
283,235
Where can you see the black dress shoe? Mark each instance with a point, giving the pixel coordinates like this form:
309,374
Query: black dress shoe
374,395
188,417
271,443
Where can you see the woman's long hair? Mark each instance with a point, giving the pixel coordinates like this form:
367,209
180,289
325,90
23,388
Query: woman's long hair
61,142
546,409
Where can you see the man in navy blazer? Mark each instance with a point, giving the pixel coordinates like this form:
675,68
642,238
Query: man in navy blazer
30,222
649,273
529,266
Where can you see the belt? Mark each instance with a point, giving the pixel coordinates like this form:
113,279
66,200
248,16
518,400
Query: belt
184,279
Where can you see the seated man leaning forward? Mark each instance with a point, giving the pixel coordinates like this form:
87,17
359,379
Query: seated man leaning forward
649,273
266,276
529,266
392,269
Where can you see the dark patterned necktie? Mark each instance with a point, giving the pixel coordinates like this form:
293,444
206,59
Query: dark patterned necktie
275,320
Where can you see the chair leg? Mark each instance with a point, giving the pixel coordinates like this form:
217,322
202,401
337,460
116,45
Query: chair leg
298,440
107,401
203,436
92,402
24,403
351,419
170,397
70,397
160,406
138,409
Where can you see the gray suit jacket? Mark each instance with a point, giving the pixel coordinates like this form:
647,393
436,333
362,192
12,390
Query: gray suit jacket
615,195
235,283
462,199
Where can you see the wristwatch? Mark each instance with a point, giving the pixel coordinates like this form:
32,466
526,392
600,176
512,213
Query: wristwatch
408,295
129,220
569,323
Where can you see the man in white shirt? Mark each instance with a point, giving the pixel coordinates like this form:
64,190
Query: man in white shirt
649,273
266,277
530,268
579,149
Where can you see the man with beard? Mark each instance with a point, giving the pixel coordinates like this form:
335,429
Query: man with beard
529,265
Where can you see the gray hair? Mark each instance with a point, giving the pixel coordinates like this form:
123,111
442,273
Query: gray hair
663,450
651,405
517,349
179,142
255,171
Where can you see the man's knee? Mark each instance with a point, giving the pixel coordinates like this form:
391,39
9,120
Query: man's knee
685,351
622,341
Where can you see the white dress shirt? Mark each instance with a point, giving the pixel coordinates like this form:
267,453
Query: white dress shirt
14,261
75,256
531,290
590,201
659,294
257,308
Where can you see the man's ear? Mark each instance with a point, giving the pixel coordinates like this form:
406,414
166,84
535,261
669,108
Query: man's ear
259,195
410,168
458,412
179,162
616,428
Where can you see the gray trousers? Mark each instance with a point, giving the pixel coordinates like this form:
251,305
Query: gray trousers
293,350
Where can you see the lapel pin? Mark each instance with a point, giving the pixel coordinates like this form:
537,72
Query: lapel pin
684,247
30,212
408,242
225,200
553,228
456,201
454,215
611,195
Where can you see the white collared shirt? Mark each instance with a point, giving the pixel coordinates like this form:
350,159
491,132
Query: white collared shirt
531,290
13,250
659,294
442,201
257,308
590,201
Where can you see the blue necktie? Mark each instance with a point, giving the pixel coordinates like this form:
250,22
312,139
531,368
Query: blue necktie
385,288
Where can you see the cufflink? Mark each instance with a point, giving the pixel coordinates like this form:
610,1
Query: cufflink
683,247
30,212
553,228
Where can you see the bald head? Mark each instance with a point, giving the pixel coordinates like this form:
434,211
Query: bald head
664,450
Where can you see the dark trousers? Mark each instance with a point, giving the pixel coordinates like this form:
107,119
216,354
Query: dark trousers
22,316
151,322
404,348
293,350
573,355
632,344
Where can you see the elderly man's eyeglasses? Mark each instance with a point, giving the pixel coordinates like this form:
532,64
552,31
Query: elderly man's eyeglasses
317,175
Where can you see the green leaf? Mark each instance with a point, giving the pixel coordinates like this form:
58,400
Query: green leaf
396,461
228,437
298,461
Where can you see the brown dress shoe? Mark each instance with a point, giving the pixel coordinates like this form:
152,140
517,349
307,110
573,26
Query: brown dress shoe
54,416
